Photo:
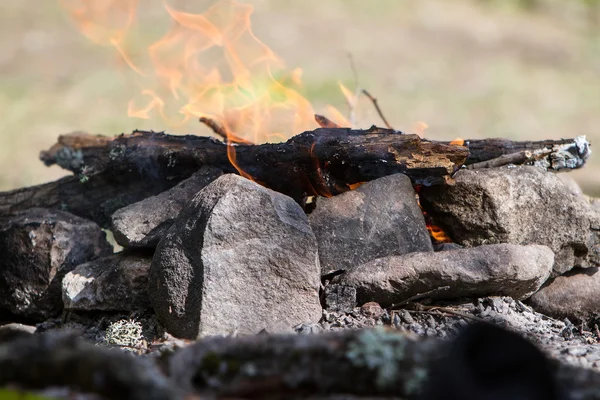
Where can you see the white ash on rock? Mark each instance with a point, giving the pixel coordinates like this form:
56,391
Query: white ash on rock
520,205
574,295
144,223
240,258
37,248
501,269
380,218
115,283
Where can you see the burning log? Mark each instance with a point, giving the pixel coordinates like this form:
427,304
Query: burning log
324,162
115,172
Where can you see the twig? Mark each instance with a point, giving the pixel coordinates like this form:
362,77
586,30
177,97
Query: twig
453,311
357,90
221,131
418,296
325,122
374,101
514,158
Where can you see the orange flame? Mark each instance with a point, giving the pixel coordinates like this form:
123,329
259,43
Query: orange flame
438,234
209,65
458,142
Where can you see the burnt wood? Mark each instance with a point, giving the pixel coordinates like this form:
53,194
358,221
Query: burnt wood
112,172
557,154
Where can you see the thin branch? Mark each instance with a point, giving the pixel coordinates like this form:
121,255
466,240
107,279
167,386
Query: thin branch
357,91
418,296
222,132
515,158
446,312
374,101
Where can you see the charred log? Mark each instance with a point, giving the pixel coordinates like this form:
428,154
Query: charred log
114,172
94,198
551,154
324,161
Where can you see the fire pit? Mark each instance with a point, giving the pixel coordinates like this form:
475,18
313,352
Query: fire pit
337,261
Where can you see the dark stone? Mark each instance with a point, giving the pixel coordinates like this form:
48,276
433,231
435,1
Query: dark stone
14,331
520,205
493,270
144,223
114,283
575,295
340,298
487,362
239,258
380,218
37,248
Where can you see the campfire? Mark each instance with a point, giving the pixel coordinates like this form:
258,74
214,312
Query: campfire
280,220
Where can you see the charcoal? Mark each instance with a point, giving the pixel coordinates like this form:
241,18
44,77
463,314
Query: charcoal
239,258
115,283
378,219
502,269
37,248
574,295
144,223
520,205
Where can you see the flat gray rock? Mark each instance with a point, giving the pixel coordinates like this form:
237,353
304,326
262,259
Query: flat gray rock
240,258
380,218
114,283
520,205
492,270
144,223
575,295
37,248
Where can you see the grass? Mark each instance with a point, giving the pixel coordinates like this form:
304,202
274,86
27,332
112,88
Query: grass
468,68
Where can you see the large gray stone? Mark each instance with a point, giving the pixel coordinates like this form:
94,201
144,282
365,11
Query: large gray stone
380,218
239,258
520,205
37,248
575,295
492,270
114,283
144,223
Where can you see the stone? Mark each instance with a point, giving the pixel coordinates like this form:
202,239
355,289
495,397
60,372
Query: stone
14,331
489,362
501,269
144,223
340,298
239,258
37,248
115,283
519,205
371,310
378,219
575,295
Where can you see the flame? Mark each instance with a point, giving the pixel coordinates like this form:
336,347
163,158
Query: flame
419,128
435,231
458,142
208,65
438,234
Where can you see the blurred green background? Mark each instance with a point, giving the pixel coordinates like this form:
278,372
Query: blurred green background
523,70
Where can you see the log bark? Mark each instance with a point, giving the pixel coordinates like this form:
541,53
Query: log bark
117,171
94,198
113,172
382,363
557,154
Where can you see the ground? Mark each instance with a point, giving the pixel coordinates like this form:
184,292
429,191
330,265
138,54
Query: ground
467,68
